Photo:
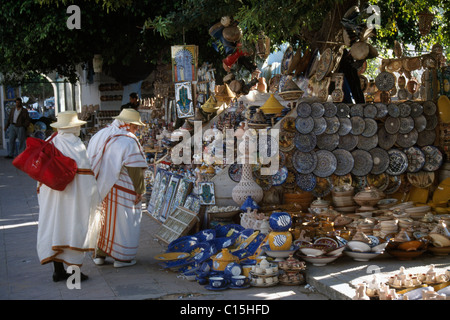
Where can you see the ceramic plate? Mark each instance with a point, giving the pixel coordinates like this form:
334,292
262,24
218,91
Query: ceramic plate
426,137
317,110
379,181
392,125
406,140
342,180
323,187
332,124
40,126
405,110
235,172
359,183
305,142
343,110
416,109
432,121
370,111
344,162
398,162
172,256
385,139
370,128
326,164
345,126
304,110
280,177
290,180
416,159
358,125
367,143
325,64
385,81
421,179
288,124
420,123
320,125
348,142
406,125
380,160
393,110
429,108
304,162
382,110
394,184
286,141
304,125
306,182
433,158
357,110
363,162
328,141
330,109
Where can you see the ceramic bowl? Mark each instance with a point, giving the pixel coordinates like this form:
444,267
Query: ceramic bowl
413,245
279,254
336,252
362,256
311,252
405,255
386,203
358,246
380,247
321,260
439,240
439,251
233,269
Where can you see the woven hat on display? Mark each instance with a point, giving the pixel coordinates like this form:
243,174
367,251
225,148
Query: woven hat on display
129,115
359,50
67,119
232,33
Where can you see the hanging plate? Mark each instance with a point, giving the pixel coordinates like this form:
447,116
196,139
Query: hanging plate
382,110
421,179
343,110
406,125
326,164
398,162
320,125
392,125
416,159
379,181
426,137
394,184
420,123
416,109
357,110
370,111
405,110
345,126
288,124
363,162
432,122
406,140
385,81
317,110
370,128
385,139
330,109
306,182
367,143
280,177
332,124
358,125
305,142
235,172
433,158
328,141
304,110
325,64
348,142
323,187
393,110
429,108
344,162
304,125
380,160
304,162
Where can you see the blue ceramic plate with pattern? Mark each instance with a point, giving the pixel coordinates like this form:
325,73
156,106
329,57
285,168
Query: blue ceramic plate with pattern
306,182
433,158
304,110
330,109
416,159
333,124
280,177
380,159
344,162
343,110
348,142
382,110
304,162
328,141
405,110
393,110
398,162
235,172
357,110
363,162
305,142
370,111
345,126
320,125
304,125
326,164
317,110
406,140
358,125
406,125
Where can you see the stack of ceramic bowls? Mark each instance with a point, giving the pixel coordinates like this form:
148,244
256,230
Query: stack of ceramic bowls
388,227
417,213
343,199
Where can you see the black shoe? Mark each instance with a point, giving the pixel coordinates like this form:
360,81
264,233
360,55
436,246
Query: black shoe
60,276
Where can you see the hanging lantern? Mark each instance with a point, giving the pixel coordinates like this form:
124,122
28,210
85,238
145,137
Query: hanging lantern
98,63
425,19
263,46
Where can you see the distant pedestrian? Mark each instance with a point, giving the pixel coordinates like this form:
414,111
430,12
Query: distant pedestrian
69,220
118,162
134,102
18,122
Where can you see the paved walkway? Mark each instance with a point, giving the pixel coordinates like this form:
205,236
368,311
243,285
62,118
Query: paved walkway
22,277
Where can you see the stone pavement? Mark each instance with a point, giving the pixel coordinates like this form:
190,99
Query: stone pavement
22,277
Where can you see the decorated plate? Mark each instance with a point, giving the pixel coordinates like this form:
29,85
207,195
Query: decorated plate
325,64
323,187
370,111
328,141
426,137
304,110
320,125
40,126
392,125
330,109
421,179
433,158
405,110
345,126
385,81
398,162
348,142
394,184
359,183
385,139
287,59
357,110
416,159
406,140
341,180
432,122
367,143
265,182
326,164
317,110
406,125
363,162
280,177
416,109
344,162
286,141
304,125
290,180
288,124
402,94
420,123
393,110
343,110
358,125
172,256
305,142
327,241
306,182
235,172
429,108
304,162
379,181
380,160
370,128
382,110
332,124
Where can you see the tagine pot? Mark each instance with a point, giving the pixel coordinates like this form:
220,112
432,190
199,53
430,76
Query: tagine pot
280,240
222,259
368,198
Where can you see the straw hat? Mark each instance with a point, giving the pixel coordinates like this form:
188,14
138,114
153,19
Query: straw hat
232,33
359,50
129,115
67,119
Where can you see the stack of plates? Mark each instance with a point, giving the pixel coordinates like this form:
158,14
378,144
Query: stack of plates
417,213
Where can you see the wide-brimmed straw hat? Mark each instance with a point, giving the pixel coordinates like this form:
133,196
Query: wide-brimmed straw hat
67,119
129,115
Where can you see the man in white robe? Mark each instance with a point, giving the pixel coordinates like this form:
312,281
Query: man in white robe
69,220
118,162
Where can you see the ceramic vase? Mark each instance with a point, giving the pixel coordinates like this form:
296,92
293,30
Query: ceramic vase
280,240
280,221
